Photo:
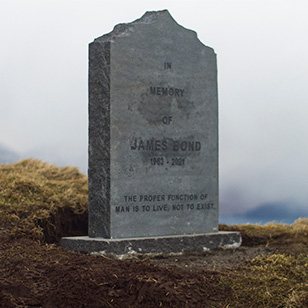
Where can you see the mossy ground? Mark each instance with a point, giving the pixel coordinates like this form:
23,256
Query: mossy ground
39,203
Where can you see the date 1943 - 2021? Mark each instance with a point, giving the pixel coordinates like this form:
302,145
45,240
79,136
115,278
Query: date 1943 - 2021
173,161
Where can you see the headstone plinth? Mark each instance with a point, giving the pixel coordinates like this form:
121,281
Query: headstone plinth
153,141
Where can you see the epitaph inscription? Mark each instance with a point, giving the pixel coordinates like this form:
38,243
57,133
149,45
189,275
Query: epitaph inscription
153,132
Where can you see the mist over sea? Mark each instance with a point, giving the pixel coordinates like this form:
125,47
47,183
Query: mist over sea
278,212
239,220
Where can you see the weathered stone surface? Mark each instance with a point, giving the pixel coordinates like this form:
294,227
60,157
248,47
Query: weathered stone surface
153,142
159,245
153,131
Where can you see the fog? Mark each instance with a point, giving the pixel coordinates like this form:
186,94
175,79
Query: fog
262,53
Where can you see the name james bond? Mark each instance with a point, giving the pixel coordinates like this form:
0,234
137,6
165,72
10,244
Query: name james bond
166,144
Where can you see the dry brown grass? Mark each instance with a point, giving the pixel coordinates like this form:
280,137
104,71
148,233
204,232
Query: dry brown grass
42,202
277,280
271,233
33,192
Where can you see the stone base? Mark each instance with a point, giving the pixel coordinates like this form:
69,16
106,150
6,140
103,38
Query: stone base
154,245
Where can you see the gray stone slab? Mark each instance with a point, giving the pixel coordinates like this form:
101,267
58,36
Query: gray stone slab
158,245
153,131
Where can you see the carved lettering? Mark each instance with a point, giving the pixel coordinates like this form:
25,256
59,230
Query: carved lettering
165,145
167,91
165,202
167,65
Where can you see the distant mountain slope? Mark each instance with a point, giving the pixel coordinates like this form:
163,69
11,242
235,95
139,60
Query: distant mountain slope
7,156
277,211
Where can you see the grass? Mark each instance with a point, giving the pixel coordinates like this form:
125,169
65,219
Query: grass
41,202
277,280
272,233
33,192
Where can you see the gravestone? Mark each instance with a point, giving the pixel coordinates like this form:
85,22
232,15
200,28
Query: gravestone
153,141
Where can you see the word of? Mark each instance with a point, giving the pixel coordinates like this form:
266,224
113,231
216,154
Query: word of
167,120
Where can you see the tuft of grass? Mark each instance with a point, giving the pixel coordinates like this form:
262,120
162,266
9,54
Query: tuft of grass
297,299
277,280
271,233
32,192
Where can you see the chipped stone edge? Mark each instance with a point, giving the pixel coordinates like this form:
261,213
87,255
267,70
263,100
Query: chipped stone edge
149,17
154,246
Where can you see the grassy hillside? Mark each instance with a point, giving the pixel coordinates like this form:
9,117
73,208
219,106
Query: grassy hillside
39,203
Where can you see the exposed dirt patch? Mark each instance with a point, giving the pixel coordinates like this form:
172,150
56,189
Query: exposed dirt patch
40,203
220,259
33,275
64,222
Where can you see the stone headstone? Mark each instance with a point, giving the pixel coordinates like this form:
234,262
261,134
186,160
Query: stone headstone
153,137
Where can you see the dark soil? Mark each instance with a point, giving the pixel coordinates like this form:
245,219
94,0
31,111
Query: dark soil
220,259
40,203
35,275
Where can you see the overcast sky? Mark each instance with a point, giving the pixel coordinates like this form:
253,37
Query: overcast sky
262,52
